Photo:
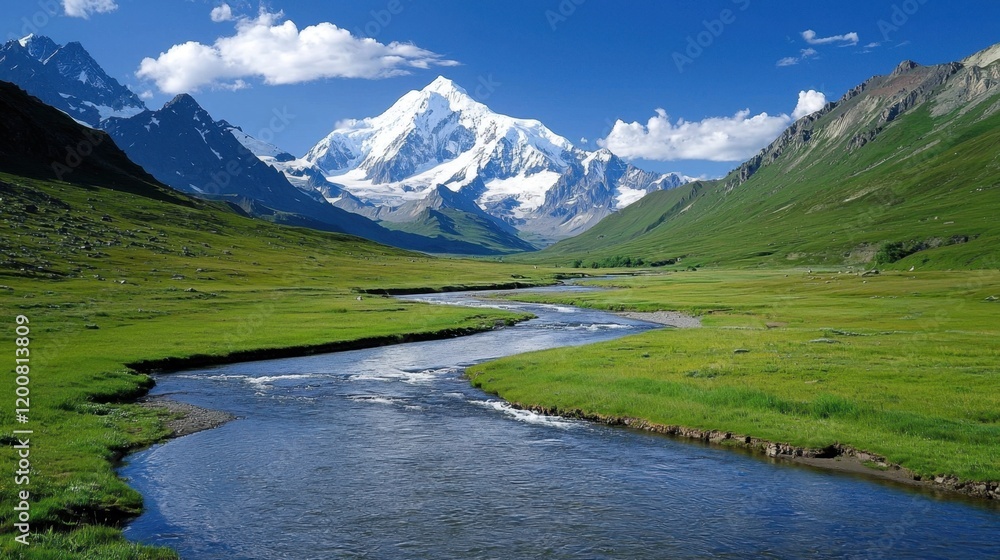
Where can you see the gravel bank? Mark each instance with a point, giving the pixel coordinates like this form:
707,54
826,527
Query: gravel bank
669,318
187,418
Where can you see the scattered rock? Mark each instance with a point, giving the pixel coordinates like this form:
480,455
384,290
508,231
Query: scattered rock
824,340
872,272
992,298
91,327
741,351
190,290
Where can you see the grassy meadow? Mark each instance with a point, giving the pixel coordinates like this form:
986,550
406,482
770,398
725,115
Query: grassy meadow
900,364
108,278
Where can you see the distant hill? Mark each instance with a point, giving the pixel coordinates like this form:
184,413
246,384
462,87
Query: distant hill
904,170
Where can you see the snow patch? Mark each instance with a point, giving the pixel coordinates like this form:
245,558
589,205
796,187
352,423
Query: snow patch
627,196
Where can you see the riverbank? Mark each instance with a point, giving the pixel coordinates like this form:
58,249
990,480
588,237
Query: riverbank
836,457
882,375
169,364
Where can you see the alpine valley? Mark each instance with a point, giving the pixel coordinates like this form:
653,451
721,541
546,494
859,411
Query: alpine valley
833,296
438,171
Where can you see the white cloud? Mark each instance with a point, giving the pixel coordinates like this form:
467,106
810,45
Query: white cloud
804,54
809,102
222,13
83,8
584,140
280,53
873,45
735,138
146,95
849,39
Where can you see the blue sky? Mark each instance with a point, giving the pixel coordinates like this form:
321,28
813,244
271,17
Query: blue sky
579,66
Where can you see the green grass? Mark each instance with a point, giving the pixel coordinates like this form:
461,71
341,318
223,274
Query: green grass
110,278
900,364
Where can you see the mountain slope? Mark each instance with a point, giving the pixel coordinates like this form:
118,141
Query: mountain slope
39,141
67,78
903,167
449,215
517,170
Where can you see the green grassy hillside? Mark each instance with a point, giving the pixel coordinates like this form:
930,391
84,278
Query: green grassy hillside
922,187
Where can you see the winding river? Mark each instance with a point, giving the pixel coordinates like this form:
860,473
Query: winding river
389,453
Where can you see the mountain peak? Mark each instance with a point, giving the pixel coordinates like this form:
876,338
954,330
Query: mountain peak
183,102
39,46
904,67
68,78
445,87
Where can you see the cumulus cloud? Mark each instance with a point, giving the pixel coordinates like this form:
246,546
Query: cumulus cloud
278,52
222,13
809,102
84,8
848,39
734,138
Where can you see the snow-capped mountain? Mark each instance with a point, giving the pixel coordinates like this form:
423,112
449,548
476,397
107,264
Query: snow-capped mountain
67,78
515,169
184,147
